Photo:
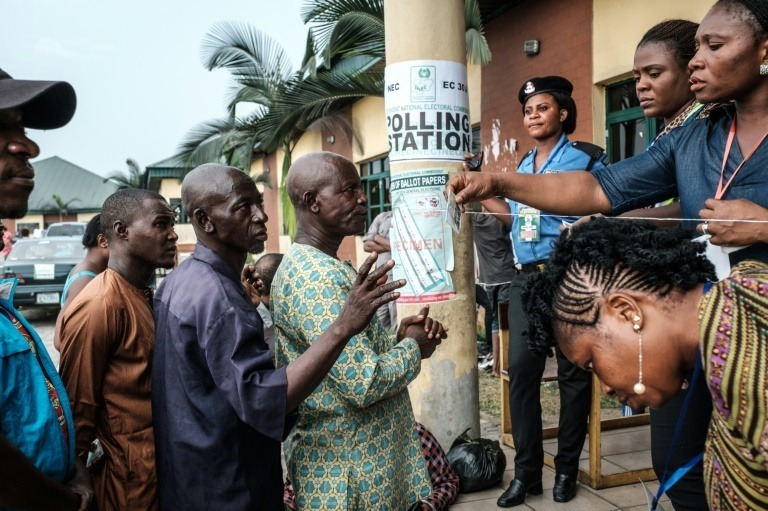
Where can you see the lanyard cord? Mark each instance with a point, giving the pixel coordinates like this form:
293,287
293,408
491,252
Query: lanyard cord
667,483
720,188
678,474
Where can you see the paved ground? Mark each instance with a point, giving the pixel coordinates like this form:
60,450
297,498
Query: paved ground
622,449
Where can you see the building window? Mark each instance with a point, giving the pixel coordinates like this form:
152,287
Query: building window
179,216
374,176
628,132
477,143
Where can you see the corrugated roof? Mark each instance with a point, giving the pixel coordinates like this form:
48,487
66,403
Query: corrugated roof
58,176
164,169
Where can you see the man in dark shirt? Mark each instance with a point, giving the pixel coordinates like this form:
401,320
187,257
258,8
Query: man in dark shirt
221,408
496,263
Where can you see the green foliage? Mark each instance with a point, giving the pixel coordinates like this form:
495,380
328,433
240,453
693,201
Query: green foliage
136,177
59,206
343,62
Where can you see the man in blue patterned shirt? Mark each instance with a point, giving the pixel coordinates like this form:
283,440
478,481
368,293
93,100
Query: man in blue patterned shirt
355,445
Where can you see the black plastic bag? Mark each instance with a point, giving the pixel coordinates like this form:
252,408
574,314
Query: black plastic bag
480,463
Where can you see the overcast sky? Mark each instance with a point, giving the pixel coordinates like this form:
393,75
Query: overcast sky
135,66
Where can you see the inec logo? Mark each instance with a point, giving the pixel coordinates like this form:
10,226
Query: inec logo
423,83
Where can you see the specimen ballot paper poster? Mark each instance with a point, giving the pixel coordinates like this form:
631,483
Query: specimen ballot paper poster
421,240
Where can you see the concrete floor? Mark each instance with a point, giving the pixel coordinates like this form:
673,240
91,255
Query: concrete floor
624,449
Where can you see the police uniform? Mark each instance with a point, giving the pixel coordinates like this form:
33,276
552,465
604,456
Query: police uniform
533,234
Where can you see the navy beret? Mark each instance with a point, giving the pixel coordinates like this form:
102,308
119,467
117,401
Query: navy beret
544,84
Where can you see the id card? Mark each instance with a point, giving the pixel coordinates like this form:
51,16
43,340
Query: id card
453,212
529,224
718,256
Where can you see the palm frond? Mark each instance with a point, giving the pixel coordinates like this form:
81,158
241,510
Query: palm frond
344,28
289,213
224,140
253,58
478,51
305,101
355,34
309,63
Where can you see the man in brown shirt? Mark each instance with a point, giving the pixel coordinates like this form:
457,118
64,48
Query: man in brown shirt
108,337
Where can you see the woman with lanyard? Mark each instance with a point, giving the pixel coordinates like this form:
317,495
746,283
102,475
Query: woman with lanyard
636,304
716,165
549,114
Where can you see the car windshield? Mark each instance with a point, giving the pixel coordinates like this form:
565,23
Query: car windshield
47,249
66,230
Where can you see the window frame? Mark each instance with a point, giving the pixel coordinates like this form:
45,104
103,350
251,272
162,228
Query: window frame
635,113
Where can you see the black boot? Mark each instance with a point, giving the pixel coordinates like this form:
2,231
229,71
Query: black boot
515,494
565,487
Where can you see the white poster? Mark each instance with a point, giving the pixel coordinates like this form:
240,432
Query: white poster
421,241
427,109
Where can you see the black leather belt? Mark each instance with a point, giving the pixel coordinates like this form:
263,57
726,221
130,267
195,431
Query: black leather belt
533,267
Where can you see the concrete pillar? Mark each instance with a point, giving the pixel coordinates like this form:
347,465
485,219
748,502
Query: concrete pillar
445,394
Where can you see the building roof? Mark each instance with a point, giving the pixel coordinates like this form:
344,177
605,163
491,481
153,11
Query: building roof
164,169
58,176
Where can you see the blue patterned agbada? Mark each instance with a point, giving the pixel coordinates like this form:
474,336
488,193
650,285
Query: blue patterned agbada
355,446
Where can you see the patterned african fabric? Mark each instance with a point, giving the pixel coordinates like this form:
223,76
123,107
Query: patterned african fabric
355,445
734,346
445,480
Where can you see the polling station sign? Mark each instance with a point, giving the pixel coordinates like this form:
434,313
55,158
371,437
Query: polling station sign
427,108
421,241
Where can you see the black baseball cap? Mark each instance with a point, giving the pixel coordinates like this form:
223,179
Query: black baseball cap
544,84
44,105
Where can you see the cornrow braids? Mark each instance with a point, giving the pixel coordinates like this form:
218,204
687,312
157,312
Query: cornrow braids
603,256
752,12
678,36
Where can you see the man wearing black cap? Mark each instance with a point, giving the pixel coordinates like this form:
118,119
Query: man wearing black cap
38,468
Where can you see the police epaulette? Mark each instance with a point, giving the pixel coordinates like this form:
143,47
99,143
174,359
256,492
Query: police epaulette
595,152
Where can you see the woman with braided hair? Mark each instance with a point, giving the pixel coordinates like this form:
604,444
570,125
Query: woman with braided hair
715,165
662,85
662,76
635,304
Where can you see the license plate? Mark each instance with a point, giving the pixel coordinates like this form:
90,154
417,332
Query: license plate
46,298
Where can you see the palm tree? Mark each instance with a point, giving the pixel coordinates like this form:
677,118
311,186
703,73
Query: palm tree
58,205
344,62
346,29
136,177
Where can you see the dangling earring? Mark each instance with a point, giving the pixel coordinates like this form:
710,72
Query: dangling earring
639,387
763,69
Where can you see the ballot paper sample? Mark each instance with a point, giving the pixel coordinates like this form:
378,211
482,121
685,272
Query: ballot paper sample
421,241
